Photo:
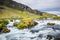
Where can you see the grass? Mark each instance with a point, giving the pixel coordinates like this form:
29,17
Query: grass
48,15
27,17
14,13
56,17
8,12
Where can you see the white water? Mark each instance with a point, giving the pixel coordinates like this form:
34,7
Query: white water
26,34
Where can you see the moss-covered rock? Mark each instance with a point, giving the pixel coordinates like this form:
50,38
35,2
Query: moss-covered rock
32,24
26,23
15,24
5,30
21,25
3,24
11,19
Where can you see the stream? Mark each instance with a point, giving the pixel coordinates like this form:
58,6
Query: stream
39,32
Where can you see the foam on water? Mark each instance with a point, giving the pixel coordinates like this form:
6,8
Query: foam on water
26,34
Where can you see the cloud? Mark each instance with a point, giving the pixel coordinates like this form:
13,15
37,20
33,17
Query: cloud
40,4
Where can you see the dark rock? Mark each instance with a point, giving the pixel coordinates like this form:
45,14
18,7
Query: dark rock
5,30
49,37
2,8
40,36
37,12
33,37
56,27
51,24
57,39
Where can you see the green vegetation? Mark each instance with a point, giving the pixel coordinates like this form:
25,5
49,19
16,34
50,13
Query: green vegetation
14,13
3,27
27,18
25,23
56,17
48,15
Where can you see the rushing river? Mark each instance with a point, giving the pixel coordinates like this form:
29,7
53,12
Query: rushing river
39,32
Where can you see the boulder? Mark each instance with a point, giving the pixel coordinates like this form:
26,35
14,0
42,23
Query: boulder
5,30
51,24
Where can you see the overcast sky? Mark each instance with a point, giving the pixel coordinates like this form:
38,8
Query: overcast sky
40,4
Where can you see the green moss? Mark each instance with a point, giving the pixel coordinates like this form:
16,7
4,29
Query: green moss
21,25
56,17
11,19
1,25
4,21
25,23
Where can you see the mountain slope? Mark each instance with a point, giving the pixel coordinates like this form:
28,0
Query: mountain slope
12,9
19,6
8,12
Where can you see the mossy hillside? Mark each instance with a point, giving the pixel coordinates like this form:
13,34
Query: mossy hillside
48,15
8,12
14,13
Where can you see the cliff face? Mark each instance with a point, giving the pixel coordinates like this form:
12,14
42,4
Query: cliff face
19,6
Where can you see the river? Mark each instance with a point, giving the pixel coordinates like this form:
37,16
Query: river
38,32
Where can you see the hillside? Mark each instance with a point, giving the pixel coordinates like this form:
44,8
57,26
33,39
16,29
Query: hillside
7,12
14,13
12,9
19,6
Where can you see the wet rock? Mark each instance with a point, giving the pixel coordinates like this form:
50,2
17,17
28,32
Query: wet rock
56,27
33,31
49,37
56,36
15,24
5,30
40,36
33,37
57,39
51,24
13,39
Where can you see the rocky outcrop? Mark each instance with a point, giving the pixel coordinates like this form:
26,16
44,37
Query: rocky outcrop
37,12
19,6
